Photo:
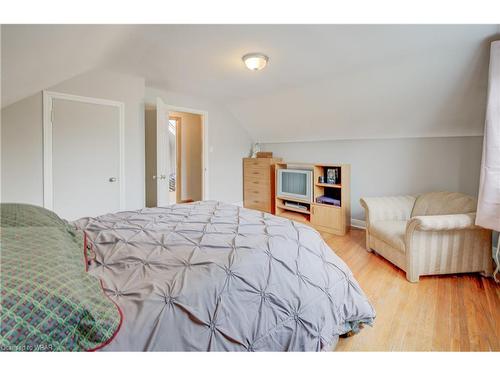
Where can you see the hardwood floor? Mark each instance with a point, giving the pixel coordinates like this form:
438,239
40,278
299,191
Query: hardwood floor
440,313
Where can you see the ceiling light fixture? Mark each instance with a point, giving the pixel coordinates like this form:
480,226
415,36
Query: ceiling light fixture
255,61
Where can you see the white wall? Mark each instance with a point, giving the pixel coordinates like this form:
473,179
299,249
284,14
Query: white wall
21,139
22,136
22,151
228,143
381,167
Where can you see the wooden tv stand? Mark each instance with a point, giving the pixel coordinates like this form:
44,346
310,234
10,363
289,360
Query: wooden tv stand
323,217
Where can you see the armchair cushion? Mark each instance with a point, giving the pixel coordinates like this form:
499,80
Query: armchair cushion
443,203
444,222
391,232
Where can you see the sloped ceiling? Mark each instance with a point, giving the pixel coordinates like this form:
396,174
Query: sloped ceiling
322,82
37,57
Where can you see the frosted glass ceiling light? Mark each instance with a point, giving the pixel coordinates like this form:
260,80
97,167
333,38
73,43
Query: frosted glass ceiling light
255,61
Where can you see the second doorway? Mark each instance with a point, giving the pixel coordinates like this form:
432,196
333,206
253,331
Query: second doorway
185,144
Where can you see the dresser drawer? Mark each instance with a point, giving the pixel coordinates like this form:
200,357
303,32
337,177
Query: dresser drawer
257,198
256,168
257,182
257,172
257,204
256,163
255,193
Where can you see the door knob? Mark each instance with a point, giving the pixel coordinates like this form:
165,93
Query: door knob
112,179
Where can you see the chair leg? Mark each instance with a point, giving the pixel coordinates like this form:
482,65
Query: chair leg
367,243
486,273
412,277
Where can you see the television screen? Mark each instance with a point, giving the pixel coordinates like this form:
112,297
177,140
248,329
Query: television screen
294,183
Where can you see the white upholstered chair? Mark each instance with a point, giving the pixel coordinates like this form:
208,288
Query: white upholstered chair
431,234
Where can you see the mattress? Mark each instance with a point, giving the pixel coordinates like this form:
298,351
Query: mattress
211,276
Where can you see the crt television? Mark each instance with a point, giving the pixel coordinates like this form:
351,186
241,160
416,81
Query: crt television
295,183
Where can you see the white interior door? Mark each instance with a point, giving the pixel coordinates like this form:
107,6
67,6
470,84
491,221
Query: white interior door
162,154
86,158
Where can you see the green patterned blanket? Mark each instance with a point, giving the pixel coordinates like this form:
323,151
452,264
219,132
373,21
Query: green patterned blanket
48,301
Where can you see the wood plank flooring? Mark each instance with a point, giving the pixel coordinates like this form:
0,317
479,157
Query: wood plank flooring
440,313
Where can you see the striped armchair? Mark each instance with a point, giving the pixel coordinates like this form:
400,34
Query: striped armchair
431,234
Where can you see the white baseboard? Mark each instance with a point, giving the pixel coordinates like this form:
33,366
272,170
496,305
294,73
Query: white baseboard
361,224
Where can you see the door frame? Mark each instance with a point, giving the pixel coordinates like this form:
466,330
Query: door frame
205,192
48,98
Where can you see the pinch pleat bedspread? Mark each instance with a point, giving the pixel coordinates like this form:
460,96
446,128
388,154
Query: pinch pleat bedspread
216,277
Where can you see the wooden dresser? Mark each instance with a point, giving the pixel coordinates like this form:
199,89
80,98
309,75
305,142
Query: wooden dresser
259,183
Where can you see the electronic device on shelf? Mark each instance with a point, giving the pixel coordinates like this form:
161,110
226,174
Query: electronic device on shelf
295,184
296,205
328,200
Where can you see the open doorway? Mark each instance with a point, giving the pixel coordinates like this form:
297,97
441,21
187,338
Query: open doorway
174,134
186,157
175,161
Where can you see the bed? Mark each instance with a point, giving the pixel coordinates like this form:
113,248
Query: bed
211,276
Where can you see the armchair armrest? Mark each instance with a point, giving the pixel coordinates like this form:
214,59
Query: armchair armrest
443,222
387,208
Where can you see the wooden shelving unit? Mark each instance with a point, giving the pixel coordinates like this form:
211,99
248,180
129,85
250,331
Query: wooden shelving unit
335,219
288,208
292,215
